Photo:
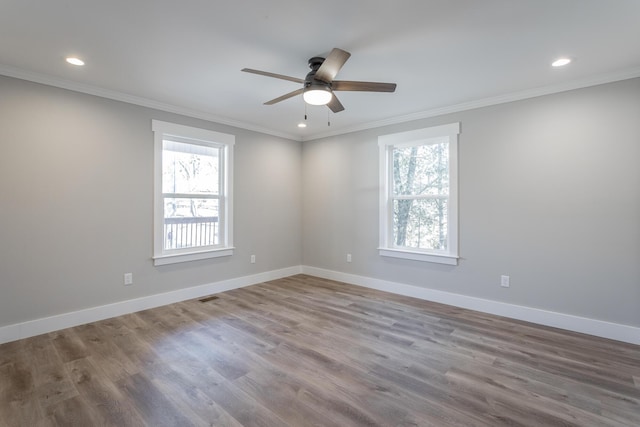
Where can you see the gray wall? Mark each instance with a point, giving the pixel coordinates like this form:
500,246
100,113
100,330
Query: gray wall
76,182
549,194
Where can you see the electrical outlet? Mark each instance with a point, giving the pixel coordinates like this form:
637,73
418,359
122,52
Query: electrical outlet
348,257
253,259
128,279
504,281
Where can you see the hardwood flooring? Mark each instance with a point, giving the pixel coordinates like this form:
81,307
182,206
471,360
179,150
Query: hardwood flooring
303,351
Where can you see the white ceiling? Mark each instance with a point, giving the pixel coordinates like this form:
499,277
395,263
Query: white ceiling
186,56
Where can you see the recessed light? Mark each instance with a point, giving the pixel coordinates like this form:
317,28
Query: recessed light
560,62
75,61
302,125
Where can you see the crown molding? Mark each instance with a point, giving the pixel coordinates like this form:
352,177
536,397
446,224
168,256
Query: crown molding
486,102
48,80
45,79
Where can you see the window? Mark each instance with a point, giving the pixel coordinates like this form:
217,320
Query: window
418,194
193,193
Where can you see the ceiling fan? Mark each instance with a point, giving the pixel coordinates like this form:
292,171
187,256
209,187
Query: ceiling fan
318,85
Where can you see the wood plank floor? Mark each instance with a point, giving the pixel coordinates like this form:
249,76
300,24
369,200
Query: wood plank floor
304,351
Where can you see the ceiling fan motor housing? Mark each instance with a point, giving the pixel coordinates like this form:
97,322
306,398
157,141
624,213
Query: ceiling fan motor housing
310,80
316,92
316,62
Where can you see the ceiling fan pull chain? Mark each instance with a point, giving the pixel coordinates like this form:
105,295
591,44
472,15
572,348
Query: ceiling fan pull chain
305,111
328,118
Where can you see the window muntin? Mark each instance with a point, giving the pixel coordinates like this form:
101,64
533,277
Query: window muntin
418,194
193,193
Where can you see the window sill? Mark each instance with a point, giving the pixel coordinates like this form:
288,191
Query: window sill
419,256
191,256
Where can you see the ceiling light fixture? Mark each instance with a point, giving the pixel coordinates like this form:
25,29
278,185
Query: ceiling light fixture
75,61
561,62
302,125
317,94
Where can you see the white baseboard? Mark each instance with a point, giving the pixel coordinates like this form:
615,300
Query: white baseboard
584,325
80,317
614,331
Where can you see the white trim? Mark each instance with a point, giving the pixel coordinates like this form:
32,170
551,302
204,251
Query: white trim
430,135
419,256
17,73
411,137
45,79
228,192
209,137
94,314
631,73
614,331
192,256
191,135
599,328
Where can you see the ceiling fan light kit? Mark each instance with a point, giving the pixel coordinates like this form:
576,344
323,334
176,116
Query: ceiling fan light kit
318,87
317,95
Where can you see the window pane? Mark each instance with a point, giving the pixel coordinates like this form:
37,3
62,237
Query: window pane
190,168
420,224
190,223
421,170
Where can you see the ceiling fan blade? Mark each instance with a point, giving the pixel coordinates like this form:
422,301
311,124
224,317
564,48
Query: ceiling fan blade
285,96
277,76
335,105
331,65
345,85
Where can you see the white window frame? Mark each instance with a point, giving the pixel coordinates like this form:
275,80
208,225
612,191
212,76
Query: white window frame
223,141
424,136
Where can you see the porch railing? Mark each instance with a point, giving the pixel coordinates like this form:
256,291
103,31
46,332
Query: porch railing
190,232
